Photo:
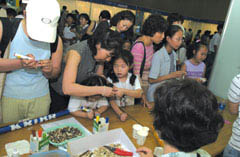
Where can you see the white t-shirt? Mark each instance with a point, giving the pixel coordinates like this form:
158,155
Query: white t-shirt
75,103
215,41
68,34
234,96
126,100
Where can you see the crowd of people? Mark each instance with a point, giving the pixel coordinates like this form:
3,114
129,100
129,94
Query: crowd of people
76,62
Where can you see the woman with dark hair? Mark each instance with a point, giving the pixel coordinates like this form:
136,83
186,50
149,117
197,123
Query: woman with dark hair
152,32
78,64
186,116
103,16
123,21
164,60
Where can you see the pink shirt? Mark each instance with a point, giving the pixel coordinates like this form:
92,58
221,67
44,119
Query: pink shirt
138,54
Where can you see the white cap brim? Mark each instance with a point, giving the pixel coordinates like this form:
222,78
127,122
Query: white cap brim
42,23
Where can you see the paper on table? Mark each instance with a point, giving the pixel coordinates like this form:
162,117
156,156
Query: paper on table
64,121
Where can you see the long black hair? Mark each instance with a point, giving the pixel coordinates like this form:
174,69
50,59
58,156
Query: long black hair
127,57
109,40
195,46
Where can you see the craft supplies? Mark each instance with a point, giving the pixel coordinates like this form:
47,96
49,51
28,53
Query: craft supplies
85,109
141,136
17,148
62,134
136,127
39,141
19,56
100,124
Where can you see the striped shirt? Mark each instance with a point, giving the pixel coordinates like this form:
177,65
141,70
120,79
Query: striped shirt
234,96
138,53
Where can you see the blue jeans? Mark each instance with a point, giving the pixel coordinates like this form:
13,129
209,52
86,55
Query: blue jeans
230,152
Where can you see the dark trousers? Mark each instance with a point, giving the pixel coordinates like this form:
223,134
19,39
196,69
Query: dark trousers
209,64
59,102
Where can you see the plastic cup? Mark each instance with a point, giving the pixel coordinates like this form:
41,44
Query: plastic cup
141,137
158,151
136,128
203,79
145,129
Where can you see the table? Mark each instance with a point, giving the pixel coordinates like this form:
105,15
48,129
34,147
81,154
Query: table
137,114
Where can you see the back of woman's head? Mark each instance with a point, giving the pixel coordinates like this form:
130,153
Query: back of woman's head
108,39
105,14
194,47
96,80
153,24
174,17
123,15
186,114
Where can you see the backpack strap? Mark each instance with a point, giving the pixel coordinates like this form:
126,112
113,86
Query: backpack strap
53,46
144,57
9,29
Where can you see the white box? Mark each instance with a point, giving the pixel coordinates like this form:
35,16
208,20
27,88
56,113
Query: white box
77,147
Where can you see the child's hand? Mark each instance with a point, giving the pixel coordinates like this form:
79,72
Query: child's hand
178,74
145,152
119,92
90,114
123,116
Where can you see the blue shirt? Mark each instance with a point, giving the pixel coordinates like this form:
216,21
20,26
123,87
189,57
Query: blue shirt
161,65
27,83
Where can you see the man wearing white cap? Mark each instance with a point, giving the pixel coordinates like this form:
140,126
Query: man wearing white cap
26,90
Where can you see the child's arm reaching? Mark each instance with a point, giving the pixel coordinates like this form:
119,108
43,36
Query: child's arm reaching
100,110
132,93
122,115
83,114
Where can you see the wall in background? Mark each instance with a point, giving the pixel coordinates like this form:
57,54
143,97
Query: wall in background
93,10
200,9
227,64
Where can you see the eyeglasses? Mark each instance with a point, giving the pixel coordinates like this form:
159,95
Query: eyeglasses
178,39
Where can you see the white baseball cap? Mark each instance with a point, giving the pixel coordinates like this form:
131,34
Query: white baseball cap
25,1
41,19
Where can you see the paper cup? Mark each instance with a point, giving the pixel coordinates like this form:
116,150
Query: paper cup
136,128
141,137
145,128
158,151
203,79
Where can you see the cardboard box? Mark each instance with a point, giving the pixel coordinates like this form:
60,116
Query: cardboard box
77,147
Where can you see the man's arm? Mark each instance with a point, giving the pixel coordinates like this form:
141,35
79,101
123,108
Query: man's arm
233,107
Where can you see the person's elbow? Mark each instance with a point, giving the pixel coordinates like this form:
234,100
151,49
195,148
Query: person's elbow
66,88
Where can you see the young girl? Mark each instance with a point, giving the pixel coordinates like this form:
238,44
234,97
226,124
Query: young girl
194,67
164,60
89,106
127,85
